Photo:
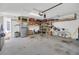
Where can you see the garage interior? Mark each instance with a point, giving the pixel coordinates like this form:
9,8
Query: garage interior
39,28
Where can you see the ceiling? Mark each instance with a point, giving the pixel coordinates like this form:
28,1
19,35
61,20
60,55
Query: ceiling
25,8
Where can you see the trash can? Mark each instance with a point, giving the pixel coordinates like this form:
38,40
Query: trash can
1,43
17,34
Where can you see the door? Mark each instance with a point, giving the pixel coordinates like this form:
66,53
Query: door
14,28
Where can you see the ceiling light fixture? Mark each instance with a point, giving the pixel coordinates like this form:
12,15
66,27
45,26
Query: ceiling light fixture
34,14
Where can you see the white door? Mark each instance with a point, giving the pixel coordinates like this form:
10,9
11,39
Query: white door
14,27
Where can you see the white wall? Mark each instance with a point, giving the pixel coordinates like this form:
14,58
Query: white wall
1,19
71,26
5,19
33,27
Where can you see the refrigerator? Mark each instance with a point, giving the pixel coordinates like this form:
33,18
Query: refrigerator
1,37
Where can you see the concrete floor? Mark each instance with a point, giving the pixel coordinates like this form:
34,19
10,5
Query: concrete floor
38,45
